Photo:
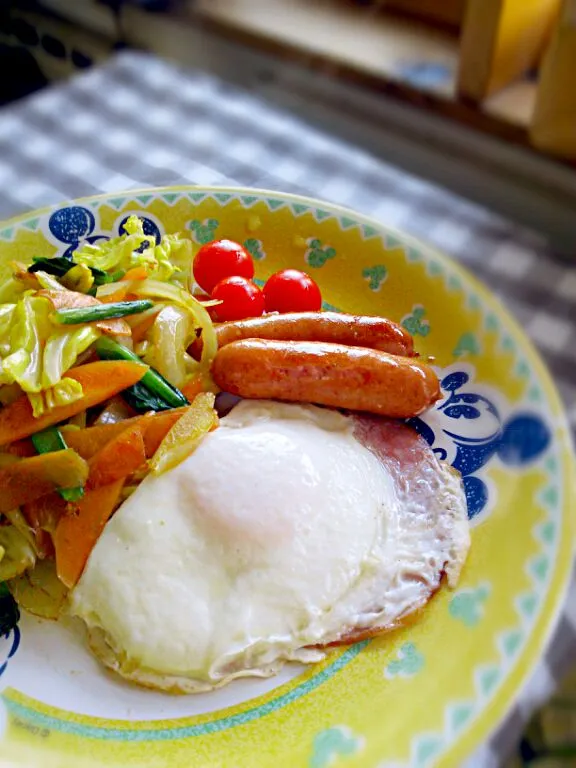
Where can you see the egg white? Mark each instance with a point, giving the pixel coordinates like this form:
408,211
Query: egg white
280,532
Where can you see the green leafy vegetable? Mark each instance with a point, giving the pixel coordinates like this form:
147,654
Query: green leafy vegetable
135,249
159,391
30,325
59,266
142,399
79,315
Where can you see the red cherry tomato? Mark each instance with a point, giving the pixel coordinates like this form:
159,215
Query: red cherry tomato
240,298
291,291
220,259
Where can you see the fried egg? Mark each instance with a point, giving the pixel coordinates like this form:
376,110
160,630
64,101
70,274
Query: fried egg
289,528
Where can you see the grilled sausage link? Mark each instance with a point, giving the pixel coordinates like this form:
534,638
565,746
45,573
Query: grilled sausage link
340,376
334,327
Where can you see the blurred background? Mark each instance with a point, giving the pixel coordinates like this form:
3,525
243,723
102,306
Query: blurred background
454,120
477,95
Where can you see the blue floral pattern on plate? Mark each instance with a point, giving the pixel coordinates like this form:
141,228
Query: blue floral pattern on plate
74,226
467,428
9,643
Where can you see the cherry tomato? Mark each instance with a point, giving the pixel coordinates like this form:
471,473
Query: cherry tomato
291,291
220,259
240,298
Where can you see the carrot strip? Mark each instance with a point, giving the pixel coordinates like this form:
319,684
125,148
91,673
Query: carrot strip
154,427
37,476
118,295
136,273
119,458
192,388
90,440
100,381
77,532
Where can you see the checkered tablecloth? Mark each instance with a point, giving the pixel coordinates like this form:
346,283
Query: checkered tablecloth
138,121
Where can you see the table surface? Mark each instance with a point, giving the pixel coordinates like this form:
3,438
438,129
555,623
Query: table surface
138,121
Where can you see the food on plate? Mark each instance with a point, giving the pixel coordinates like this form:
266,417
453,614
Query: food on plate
212,499
291,291
356,378
97,382
335,327
325,526
218,260
238,298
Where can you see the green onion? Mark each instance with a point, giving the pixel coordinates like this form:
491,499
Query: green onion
103,278
161,391
79,315
50,440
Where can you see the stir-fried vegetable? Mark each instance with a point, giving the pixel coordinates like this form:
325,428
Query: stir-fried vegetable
126,301
186,434
63,300
39,591
120,457
76,534
153,392
61,266
90,440
136,249
42,515
102,312
99,382
28,479
171,334
23,342
51,440
200,320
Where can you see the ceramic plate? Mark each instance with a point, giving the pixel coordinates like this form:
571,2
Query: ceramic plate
424,695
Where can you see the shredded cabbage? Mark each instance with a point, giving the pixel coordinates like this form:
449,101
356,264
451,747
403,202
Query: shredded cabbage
35,355
65,392
6,315
30,326
62,350
123,252
11,290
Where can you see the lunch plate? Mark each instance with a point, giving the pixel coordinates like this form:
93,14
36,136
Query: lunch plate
424,695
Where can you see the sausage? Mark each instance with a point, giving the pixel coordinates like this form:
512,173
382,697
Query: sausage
340,376
335,327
